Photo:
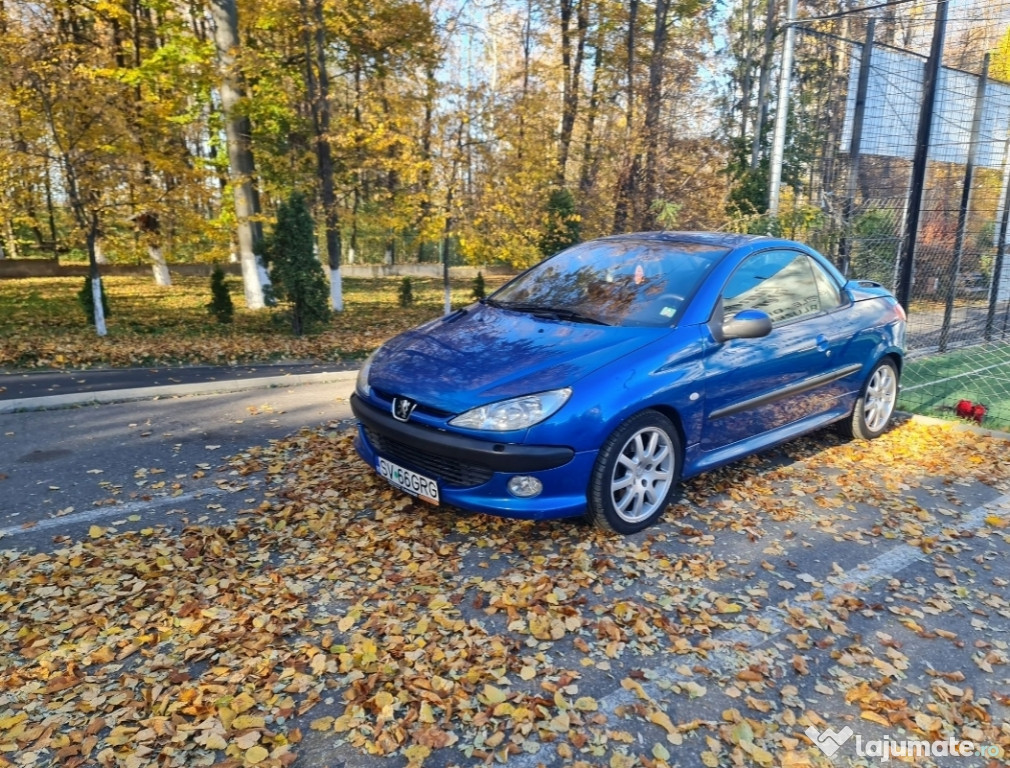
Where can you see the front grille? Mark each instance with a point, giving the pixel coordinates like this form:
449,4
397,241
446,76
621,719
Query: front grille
387,400
448,471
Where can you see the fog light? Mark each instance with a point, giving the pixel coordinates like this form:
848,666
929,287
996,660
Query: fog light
525,487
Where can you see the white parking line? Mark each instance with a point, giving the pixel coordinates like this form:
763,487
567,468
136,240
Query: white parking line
101,513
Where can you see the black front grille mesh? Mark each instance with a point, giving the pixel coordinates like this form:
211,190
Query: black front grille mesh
448,471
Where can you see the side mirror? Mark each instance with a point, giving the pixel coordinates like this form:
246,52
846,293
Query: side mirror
748,324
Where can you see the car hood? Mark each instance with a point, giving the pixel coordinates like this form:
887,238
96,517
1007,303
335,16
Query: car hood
482,354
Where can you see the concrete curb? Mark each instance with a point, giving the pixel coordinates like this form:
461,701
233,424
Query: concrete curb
51,402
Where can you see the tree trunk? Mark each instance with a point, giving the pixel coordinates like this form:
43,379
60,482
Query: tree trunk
629,172
100,257
527,54
240,156
91,238
653,108
571,75
588,173
85,211
324,155
428,127
747,75
10,242
764,83
158,265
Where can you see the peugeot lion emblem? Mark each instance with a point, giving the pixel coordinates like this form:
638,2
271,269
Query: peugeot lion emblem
402,408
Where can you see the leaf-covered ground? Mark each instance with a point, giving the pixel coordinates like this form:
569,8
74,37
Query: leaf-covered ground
42,325
337,622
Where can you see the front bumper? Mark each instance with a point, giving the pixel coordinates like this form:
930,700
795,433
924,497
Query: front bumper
473,474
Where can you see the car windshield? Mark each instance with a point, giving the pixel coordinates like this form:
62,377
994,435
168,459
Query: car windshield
613,282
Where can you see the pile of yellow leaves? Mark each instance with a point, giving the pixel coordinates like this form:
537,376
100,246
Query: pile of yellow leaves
336,609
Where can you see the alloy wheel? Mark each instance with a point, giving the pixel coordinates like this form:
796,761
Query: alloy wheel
881,395
643,475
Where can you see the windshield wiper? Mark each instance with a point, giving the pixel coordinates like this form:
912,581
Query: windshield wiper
539,310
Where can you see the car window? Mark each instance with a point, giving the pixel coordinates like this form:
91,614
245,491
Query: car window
626,282
827,288
780,283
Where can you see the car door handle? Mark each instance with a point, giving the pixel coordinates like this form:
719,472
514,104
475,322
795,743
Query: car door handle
823,343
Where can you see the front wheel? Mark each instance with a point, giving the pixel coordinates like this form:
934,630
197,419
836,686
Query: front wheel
875,405
635,474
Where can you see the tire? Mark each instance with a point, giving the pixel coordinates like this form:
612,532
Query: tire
635,474
875,406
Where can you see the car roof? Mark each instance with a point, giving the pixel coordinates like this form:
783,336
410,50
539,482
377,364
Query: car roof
719,239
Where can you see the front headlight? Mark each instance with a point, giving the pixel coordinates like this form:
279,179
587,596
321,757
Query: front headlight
362,383
517,413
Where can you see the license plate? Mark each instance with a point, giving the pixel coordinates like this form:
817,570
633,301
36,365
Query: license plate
423,487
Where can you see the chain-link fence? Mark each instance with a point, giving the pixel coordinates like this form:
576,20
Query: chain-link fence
929,225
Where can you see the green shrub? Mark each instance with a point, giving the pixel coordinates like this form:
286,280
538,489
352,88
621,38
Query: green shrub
406,292
479,291
297,276
563,226
220,305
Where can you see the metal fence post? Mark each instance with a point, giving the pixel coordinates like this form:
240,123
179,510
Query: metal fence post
930,84
962,214
997,267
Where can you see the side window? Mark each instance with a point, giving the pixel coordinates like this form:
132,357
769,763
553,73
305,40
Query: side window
780,283
827,289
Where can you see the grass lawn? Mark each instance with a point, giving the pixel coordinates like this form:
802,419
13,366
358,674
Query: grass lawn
43,326
932,386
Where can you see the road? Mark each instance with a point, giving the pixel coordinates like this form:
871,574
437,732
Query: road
66,468
822,586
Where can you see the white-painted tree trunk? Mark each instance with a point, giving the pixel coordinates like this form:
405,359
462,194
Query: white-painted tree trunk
242,166
96,295
336,290
9,249
100,257
159,266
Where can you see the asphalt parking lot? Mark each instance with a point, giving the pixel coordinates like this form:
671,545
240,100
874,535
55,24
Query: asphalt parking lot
234,587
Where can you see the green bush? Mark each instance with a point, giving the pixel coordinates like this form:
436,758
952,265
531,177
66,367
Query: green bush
563,225
406,296
220,305
297,276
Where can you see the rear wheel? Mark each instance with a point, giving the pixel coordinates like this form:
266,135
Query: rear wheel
875,405
635,474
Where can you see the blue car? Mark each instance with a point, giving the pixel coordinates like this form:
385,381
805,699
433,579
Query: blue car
593,382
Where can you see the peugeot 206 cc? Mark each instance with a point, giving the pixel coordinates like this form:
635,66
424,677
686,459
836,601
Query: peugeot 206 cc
593,382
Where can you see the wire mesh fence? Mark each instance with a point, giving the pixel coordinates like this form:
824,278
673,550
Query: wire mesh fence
867,99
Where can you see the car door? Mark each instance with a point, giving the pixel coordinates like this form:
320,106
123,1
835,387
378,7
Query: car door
754,386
